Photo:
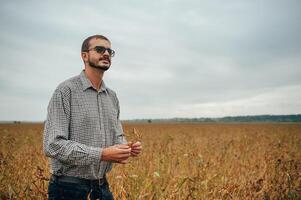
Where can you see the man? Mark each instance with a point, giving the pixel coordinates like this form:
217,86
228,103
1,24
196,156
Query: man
83,135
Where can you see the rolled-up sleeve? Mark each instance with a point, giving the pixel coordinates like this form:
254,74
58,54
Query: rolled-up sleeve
56,142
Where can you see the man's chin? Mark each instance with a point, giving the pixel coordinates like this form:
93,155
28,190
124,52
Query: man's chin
103,68
100,67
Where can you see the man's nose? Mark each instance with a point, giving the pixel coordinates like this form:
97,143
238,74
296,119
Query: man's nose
106,52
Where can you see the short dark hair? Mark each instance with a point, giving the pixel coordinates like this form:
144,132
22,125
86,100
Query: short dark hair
86,45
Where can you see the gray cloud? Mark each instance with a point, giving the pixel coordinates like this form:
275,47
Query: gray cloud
174,58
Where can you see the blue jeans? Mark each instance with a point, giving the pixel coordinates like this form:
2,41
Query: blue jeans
78,189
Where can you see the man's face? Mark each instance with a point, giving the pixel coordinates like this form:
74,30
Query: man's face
96,59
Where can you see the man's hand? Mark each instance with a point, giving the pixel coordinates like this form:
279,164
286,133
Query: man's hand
136,148
118,153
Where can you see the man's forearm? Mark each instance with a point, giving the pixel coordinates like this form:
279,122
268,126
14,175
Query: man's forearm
72,152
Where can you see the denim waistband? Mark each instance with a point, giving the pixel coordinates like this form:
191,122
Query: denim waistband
77,180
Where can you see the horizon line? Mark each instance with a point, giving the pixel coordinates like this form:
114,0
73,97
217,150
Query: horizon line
167,118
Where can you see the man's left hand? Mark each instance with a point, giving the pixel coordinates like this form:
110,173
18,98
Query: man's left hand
136,149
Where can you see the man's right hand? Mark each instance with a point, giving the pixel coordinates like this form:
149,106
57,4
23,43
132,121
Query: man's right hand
118,153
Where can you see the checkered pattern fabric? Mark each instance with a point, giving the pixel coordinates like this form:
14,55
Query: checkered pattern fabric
81,121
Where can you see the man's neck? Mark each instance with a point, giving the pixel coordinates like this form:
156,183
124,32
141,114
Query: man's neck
95,76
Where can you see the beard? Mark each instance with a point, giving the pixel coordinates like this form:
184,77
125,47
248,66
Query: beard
101,67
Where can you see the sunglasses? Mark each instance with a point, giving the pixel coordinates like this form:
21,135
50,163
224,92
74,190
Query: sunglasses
101,50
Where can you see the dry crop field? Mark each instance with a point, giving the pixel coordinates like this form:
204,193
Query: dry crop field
179,161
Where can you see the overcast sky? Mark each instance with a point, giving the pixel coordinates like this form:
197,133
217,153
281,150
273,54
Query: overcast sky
173,58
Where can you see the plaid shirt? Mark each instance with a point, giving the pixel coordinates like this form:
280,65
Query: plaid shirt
80,123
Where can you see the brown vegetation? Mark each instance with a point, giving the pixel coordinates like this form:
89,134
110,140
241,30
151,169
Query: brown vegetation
179,161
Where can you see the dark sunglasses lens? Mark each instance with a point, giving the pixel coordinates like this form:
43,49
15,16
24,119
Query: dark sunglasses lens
112,52
100,49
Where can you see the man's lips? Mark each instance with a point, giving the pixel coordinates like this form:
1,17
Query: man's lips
105,61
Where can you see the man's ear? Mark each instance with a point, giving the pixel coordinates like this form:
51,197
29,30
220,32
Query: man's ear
84,56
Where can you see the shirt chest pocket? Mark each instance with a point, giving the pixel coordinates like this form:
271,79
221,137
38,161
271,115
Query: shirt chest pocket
84,115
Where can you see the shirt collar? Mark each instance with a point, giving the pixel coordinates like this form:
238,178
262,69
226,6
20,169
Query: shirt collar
86,83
